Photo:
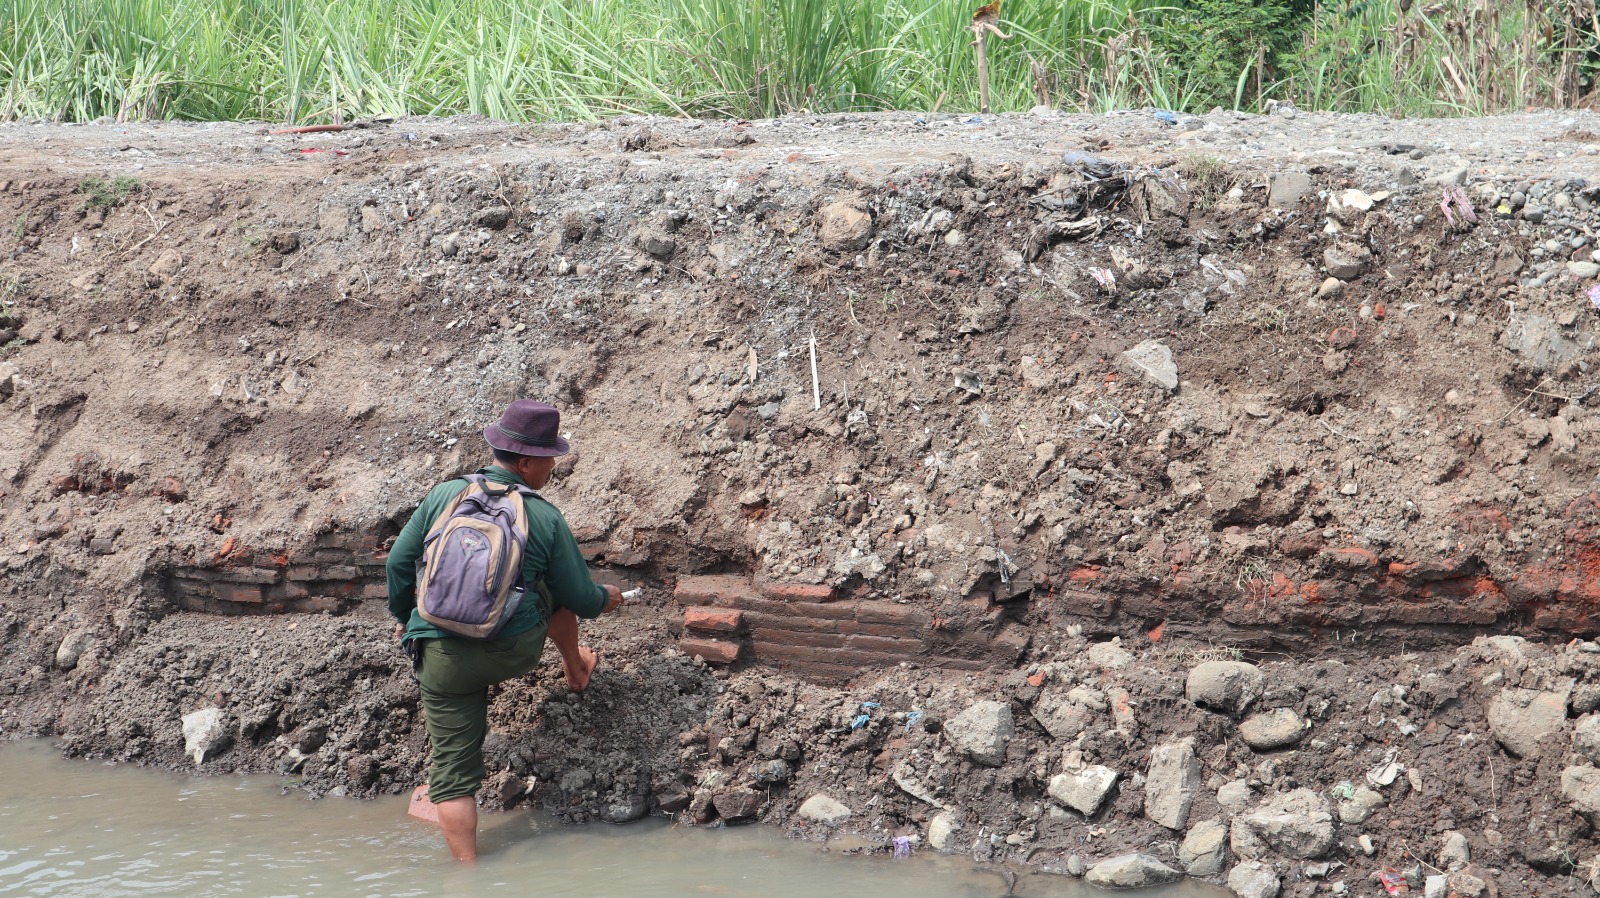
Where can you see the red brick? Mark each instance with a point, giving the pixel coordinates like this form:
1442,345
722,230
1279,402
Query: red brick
798,592
788,622
375,591
1352,556
889,613
235,592
256,576
304,572
783,654
890,630
886,644
716,589
764,637
831,611
715,651
340,572
713,620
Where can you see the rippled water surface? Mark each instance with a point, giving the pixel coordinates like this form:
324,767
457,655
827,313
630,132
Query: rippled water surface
71,828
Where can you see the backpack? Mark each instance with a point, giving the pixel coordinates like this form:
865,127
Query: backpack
469,577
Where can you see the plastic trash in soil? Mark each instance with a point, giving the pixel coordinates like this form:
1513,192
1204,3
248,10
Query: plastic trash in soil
1393,882
902,847
1594,296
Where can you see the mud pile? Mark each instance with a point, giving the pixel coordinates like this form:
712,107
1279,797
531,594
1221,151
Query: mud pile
1097,399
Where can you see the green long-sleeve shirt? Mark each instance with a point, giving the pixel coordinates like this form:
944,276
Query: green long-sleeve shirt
551,556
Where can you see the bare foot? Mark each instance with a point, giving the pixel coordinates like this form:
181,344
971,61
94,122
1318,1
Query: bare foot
578,680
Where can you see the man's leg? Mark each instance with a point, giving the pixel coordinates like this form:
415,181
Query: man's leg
577,661
458,820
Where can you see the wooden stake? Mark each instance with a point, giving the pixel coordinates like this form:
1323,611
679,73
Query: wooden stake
983,23
816,387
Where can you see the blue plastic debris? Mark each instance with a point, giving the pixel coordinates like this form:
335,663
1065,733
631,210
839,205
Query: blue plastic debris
975,120
860,722
902,847
868,706
912,718
1166,117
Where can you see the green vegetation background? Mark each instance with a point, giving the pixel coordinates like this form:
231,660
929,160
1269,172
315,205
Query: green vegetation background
312,61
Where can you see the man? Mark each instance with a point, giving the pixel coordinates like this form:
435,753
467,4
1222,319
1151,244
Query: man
453,673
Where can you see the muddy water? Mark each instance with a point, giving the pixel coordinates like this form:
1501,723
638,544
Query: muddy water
71,828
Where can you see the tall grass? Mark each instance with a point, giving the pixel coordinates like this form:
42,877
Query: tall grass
299,61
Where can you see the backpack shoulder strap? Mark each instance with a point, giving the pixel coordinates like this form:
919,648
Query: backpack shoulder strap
474,484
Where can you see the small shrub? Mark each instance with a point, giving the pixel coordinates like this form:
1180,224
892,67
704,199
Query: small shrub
104,194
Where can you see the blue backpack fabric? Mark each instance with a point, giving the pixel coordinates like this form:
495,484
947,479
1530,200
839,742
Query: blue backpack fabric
469,577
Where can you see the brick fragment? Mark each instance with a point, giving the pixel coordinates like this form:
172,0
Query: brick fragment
798,592
240,592
715,651
713,589
421,808
707,619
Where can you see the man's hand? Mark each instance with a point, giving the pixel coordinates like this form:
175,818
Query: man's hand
613,599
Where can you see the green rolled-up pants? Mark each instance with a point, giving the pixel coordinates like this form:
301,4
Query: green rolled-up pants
455,677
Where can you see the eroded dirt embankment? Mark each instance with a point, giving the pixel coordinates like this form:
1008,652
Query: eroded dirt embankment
1310,392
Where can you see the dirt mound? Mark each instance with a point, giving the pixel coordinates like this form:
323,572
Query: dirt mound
1316,386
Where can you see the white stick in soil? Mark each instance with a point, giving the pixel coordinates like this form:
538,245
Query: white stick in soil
816,388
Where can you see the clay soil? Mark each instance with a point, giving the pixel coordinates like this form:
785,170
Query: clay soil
1369,468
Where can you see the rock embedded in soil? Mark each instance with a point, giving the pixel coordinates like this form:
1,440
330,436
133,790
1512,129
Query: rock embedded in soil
738,804
1581,788
1084,790
1346,260
1152,361
1253,879
71,649
1295,823
1226,686
1171,783
844,227
1586,737
824,809
1205,848
982,732
205,734
1360,805
942,831
1520,718
1131,871
1455,854
1268,730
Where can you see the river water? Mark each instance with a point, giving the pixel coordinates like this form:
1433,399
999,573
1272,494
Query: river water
87,830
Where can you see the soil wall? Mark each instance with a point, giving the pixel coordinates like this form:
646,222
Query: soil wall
1097,400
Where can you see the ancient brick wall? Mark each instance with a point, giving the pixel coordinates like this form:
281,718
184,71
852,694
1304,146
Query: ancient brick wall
334,573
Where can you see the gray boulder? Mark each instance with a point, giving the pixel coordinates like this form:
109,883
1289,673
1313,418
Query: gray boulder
1278,728
1204,849
1060,715
1359,806
1296,823
1152,361
942,831
1520,718
824,809
1131,871
982,732
1580,786
1586,738
1226,686
1171,783
1253,879
1084,790
206,734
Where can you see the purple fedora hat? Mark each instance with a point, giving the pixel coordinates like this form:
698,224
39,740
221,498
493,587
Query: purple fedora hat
528,428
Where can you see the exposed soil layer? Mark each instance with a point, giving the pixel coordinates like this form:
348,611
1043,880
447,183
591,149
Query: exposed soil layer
1101,399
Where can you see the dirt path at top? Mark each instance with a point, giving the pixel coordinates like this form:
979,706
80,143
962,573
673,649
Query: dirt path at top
1312,391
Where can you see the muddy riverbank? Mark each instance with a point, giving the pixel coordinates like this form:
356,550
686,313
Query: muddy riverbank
1223,491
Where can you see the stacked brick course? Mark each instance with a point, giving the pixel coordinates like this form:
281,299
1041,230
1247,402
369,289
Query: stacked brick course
809,631
338,570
